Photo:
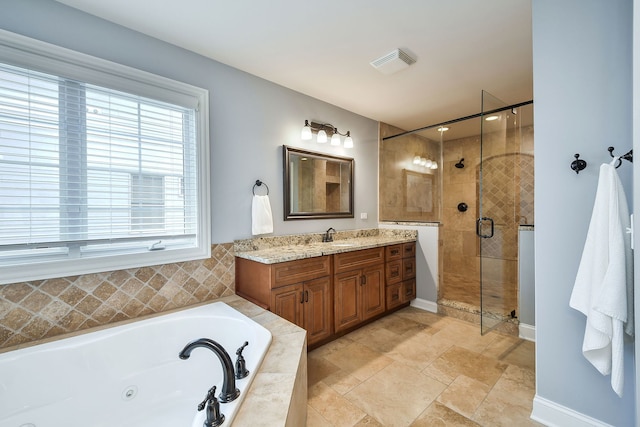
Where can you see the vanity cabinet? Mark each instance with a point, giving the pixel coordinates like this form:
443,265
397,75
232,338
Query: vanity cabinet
332,294
359,292
400,285
299,291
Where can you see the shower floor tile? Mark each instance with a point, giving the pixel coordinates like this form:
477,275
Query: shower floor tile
415,368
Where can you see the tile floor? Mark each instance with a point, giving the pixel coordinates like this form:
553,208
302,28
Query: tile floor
416,368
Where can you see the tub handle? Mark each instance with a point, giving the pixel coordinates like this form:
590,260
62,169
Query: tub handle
214,417
241,366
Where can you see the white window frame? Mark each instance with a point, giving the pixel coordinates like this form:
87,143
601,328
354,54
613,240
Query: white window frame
47,58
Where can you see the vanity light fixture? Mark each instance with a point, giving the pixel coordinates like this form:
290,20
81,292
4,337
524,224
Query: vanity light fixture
425,163
324,131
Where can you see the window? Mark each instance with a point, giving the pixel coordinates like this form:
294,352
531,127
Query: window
98,162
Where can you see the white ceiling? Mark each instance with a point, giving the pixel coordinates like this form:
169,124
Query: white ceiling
323,48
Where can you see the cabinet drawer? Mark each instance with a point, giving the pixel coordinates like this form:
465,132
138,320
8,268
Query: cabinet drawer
393,272
408,290
353,260
408,268
394,295
289,272
393,252
409,250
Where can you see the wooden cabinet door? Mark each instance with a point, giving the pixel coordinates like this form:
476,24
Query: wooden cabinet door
373,291
317,309
347,295
287,303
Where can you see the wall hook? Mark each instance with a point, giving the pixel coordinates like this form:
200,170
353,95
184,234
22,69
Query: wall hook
578,164
627,156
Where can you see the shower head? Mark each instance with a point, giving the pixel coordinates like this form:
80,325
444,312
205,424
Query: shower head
460,165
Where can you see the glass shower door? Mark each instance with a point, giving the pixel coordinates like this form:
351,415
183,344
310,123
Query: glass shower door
496,224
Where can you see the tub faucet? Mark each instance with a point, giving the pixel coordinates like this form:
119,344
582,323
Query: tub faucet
229,391
328,235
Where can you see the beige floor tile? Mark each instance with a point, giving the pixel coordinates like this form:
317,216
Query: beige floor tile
464,395
331,347
434,321
341,382
400,325
333,407
359,360
314,419
467,335
421,369
379,339
438,415
420,350
514,351
368,421
396,395
460,361
318,369
510,401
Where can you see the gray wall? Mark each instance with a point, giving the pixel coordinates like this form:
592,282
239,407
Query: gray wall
582,92
250,118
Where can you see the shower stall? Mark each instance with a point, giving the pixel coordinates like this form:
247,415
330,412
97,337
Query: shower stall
473,176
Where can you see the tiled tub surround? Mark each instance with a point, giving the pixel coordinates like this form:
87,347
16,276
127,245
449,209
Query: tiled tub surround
43,309
271,250
278,394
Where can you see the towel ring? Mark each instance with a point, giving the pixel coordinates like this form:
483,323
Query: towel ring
259,184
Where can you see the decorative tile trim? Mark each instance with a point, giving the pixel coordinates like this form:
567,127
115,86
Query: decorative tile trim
32,311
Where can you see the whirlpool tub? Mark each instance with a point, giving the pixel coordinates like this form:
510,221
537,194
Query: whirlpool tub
129,375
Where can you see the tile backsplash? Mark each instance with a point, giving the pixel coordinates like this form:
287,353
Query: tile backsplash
31,311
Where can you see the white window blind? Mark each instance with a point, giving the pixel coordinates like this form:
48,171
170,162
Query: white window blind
87,172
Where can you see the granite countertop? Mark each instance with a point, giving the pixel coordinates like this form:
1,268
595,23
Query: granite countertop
289,248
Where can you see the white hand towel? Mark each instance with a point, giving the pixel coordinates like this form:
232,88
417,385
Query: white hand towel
261,217
603,290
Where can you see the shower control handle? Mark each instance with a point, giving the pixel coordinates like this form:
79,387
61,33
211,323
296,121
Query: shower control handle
479,226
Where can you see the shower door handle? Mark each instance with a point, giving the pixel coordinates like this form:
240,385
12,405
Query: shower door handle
479,226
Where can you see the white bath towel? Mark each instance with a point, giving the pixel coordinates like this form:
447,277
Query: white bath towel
603,290
261,217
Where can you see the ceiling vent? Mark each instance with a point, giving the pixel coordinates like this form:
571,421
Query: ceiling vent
393,62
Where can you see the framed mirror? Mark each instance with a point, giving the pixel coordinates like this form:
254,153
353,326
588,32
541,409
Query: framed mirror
317,185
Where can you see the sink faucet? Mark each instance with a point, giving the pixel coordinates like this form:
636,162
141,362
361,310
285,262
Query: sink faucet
328,235
229,391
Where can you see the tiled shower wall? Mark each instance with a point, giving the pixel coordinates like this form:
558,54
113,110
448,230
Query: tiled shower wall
31,311
509,200
408,192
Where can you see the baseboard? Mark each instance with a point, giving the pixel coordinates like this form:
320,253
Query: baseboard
425,305
553,415
527,332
